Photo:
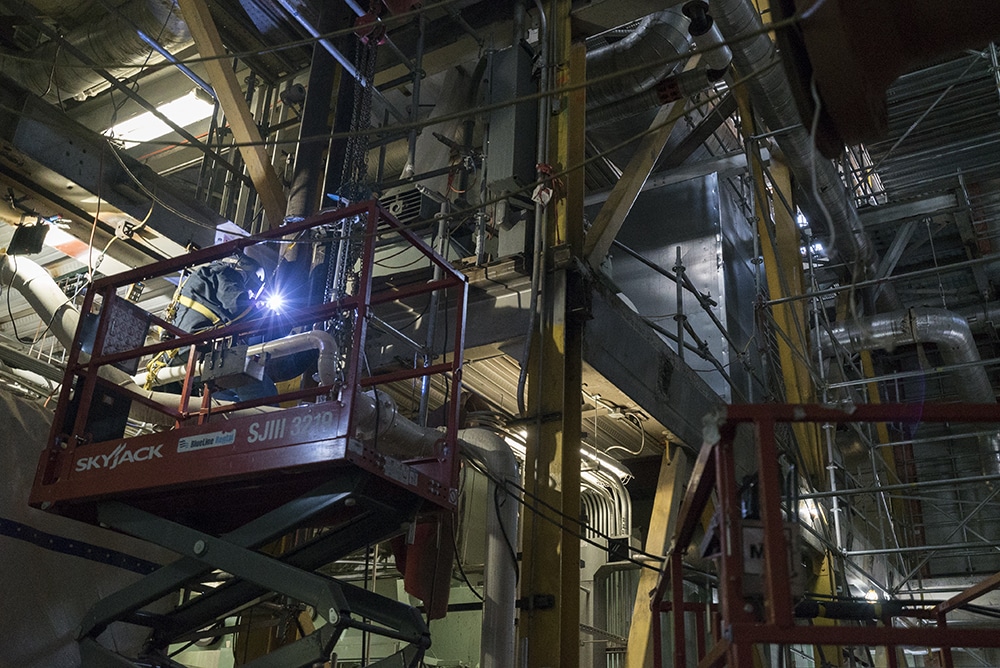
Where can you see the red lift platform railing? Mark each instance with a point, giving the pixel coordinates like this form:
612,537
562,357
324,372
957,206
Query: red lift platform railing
217,480
736,625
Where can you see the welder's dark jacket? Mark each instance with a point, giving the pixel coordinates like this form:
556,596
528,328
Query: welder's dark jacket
218,289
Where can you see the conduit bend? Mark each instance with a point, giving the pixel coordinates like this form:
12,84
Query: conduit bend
43,295
317,340
947,330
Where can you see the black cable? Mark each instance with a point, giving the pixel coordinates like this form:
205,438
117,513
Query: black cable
475,111
183,648
458,562
482,205
149,193
479,466
503,530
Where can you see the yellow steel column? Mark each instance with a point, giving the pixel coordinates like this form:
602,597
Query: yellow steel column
779,246
549,624
674,473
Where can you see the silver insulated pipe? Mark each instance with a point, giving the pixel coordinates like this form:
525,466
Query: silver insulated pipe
755,57
949,331
112,40
658,40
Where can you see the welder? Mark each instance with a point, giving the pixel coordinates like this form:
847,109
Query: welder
215,295
219,293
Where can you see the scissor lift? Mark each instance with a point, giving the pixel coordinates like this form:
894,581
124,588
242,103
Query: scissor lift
222,479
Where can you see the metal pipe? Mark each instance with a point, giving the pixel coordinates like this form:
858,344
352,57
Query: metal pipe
322,342
43,295
912,374
411,158
838,532
715,54
933,439
341,58
679,315
931,271
53,70
538,237
378,420
658,40
184,69
948,330
954,340
904,486
432,309
304,194
81,54
924,548
962,526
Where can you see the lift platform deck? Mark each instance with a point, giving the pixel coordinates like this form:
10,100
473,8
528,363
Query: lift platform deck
216,480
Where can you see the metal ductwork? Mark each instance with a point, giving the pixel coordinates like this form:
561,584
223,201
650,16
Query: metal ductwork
755,57
658,39
500,583
53,73
947,330
43,295
671,89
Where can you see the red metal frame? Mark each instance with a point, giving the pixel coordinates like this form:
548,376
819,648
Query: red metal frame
713,476
258,455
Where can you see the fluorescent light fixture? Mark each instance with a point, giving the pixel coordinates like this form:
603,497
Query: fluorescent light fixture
590,456
65,242
183,111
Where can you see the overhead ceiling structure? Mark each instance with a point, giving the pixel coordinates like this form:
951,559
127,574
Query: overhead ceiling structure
725,259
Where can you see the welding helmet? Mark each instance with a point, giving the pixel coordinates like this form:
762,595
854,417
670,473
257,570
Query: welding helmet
250,270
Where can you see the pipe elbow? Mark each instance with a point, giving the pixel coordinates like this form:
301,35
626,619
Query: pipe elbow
327,368
946,329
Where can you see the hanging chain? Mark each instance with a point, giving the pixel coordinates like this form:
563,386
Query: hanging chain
353,186
343,254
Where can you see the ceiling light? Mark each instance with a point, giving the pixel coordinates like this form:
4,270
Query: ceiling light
871,596
183,111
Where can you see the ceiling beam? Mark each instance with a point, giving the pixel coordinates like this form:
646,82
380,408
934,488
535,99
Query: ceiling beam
724,166
711,122
612,215
241,122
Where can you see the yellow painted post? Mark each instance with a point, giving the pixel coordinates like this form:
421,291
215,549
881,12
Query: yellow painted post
674,472
779,244
549,624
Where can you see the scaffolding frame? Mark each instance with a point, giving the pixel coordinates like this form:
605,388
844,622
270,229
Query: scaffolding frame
739,629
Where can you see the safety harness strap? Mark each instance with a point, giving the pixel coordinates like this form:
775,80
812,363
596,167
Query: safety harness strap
198,307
